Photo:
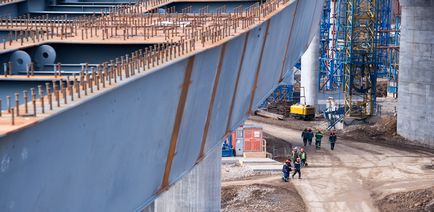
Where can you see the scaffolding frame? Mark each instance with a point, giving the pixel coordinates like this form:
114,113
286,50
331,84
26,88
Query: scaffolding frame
358,44
360,68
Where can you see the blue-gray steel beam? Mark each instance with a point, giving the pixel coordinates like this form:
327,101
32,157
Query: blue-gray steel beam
258,68
237,81
211,103
283,67
109,153
197,104
178,119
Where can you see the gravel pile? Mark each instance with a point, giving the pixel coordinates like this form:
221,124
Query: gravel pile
235,172
261,197
418,200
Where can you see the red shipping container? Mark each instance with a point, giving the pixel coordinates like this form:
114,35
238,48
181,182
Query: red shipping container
253,139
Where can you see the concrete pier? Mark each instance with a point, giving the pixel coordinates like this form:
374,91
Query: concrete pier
198,191
416,76
309,73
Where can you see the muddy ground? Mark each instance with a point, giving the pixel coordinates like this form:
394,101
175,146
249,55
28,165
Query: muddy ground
291,123
277,147
268,195
412,201
382,132
373,169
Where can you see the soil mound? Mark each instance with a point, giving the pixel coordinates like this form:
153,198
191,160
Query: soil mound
382,132
417,200
261,197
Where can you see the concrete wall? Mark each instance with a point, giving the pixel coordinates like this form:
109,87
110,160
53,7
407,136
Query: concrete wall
199,190
416,74
109,153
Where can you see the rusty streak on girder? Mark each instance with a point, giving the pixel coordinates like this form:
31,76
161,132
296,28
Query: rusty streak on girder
287,44
177,123
258,69
236,83
211,103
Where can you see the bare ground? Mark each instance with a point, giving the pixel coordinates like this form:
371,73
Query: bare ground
291,123
382,132
372,169
277,147
412,201
261,194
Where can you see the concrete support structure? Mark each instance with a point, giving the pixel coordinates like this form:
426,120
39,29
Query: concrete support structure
416,76
309,73
199,190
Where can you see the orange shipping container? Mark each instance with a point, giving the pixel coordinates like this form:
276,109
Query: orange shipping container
253,139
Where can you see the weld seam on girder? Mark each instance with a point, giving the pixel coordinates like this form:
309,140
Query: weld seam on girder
177,124
211,103
240,67
289,40
258,69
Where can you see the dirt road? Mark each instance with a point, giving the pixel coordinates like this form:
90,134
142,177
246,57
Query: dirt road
355,175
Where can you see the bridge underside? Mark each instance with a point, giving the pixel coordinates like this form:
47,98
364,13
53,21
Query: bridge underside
110,152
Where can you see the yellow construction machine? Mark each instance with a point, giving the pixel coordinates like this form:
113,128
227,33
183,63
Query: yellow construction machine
303,111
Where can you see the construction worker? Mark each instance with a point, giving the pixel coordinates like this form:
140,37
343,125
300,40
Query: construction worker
318,137
332,140
297,168
294,154
286,169
304,136
309,136
303,157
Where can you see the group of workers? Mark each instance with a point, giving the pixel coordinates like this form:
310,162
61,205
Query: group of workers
308,135
298,158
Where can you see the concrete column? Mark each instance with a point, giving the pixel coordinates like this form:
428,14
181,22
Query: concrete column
309,73
416,74
198,191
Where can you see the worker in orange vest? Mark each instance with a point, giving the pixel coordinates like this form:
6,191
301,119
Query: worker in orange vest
286,170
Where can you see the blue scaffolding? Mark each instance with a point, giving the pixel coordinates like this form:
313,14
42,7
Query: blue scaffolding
325,72
383,31
388,45
358,44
